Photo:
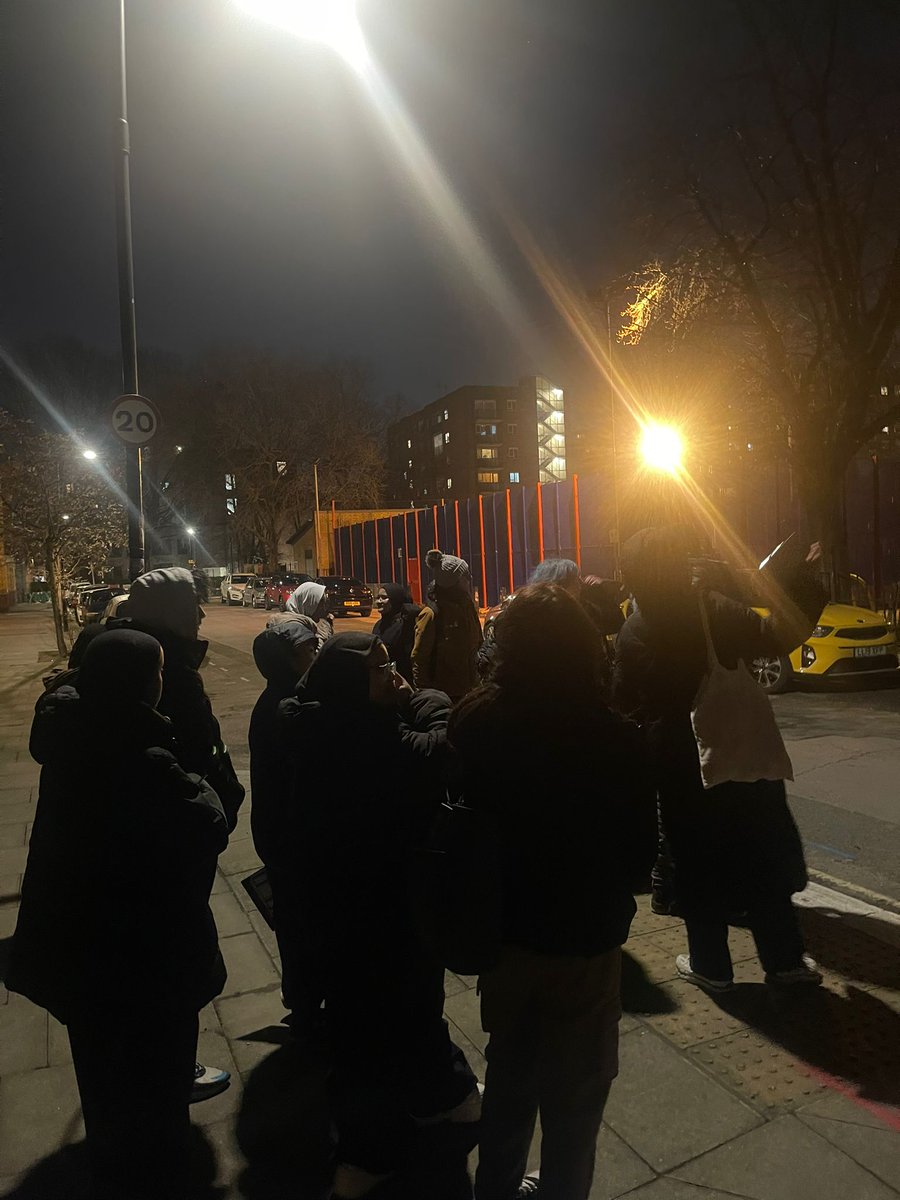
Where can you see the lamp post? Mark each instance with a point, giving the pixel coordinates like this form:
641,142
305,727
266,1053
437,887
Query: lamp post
127,325
316,518
192,533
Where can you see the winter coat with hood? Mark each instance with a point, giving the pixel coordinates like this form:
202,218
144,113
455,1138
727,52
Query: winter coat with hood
735,846
448,631
165,604
270,764
352,835
115,810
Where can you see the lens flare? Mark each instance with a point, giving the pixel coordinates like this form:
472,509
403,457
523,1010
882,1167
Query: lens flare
662,448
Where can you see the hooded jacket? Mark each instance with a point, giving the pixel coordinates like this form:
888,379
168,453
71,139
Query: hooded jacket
270,765
448,638
115,811
397,627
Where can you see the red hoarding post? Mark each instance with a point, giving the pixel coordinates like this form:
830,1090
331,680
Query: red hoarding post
456,518
483,562
437,536
393,556
512,586
577,522
540,508
377,555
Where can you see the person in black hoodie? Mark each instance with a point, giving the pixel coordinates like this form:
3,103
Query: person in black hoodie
283,653
351,842
397,626
574,837
127,969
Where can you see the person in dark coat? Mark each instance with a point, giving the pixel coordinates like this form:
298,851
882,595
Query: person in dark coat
734,847
351,843
397,624
448,630
126,967
166,605
283,653
574,837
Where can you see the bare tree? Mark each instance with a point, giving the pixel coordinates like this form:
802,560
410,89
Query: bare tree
781,240
58,510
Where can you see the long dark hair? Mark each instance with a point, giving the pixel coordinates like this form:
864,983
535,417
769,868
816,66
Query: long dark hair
546,644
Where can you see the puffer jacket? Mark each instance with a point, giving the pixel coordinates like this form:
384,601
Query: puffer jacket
115,899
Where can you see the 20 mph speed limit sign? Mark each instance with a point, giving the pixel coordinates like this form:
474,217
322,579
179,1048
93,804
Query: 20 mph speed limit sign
134,420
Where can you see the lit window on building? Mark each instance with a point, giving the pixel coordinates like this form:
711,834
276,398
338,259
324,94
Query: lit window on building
514,477
231,506
409,443
229,483
488,453
512,452
438,443
488,476
281,467
446,439
449,484
884,389
484,430
409,464
446,415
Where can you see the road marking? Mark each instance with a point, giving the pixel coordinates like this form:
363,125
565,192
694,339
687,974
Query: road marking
831,850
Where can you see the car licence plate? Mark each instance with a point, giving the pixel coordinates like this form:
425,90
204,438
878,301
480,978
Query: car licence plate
351,604
871,651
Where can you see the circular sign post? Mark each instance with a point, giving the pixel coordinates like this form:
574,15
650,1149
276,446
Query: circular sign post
135,420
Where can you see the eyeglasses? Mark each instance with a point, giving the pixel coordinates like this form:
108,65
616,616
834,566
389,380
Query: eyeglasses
390,667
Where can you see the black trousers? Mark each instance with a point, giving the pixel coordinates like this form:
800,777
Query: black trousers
775,929
135,1070
554,1036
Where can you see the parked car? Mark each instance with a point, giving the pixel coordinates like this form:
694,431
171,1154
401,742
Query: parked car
255,592
280,589
848,640
233,588
347,595
112,609
92,602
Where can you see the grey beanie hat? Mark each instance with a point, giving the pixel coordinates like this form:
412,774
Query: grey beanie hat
449,571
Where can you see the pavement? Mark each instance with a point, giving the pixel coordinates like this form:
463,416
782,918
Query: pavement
750,1095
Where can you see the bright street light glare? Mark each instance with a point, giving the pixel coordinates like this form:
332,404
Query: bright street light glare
90,455
662,448
190,531
331,22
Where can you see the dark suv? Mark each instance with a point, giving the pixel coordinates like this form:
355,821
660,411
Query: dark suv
347,595
281,588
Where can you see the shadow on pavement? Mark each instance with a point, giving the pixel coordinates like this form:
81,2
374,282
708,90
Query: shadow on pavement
639,993
284,1131
65,1175
844,1036
5,951
842,943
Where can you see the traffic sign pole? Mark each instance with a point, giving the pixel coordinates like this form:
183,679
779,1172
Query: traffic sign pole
134,489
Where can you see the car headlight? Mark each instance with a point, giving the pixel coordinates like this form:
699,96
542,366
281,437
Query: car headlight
822,631
807,656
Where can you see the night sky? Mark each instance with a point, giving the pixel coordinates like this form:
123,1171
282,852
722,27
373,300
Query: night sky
271,209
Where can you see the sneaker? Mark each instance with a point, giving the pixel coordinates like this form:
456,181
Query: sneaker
530,1186
352,1183
807,973
686,971
467,1112
208,1082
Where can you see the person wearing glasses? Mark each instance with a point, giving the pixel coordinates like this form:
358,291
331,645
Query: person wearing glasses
394,1066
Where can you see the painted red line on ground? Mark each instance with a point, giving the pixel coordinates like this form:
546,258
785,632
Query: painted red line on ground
884,1112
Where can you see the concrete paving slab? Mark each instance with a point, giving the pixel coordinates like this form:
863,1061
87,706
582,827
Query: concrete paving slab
666,1109
59,1052
239,858
39,1112
778,1160
696,1018
848,1126
861,784
229,916
23,1036
474,1056
15,814
675,1189
241,1015
214,1051
618,1168
249,966
833,1106
464,1010
10,887
13,835
452,984
260,927
13,859
8,916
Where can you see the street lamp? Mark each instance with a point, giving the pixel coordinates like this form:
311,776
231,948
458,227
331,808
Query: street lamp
192,533
90,455
330,22
662,448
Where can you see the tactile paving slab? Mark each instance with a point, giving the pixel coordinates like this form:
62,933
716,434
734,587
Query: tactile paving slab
696,1018
766,1074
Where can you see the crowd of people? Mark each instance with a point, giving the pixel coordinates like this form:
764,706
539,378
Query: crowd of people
584,760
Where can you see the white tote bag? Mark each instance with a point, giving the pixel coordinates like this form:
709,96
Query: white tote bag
737,738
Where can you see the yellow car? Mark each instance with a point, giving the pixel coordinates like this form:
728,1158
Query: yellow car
847,641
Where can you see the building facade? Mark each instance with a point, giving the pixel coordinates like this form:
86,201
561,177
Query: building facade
478,439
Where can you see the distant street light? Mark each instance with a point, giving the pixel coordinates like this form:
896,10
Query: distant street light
90,455
662,448
192,533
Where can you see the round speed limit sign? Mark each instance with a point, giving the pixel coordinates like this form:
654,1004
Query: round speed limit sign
134,420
